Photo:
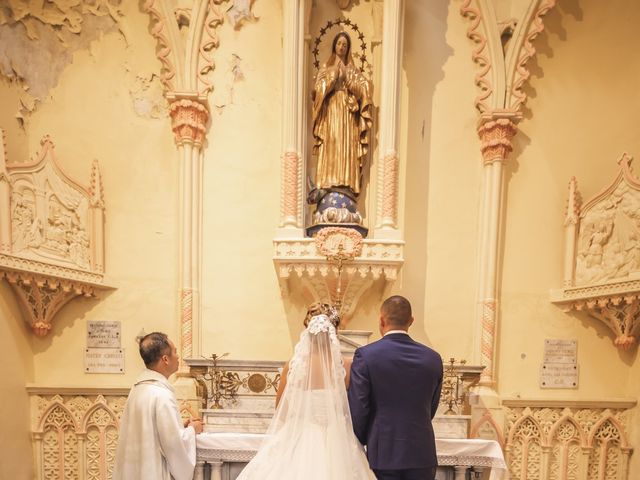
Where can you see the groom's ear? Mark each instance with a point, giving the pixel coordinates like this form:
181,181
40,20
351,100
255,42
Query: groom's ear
410,322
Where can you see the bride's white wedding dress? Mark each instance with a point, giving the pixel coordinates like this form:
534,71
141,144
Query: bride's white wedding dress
311,436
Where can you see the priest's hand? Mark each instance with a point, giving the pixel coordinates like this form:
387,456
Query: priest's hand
188,421
196,423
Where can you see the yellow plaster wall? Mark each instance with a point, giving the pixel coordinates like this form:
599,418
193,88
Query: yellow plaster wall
578,122
439,189
571,128
90,115
15,441
242,310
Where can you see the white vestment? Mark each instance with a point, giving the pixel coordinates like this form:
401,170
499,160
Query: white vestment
153,442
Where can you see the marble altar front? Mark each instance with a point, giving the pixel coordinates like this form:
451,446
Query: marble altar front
222,456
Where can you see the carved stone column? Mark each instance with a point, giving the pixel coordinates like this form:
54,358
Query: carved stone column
97,219
496,132
189,116
500,78
570,228
460,472
388,166
82,454
5,200
293,119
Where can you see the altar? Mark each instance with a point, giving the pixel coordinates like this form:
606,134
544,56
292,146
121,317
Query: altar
222,456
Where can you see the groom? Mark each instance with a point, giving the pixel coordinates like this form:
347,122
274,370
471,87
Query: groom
394,392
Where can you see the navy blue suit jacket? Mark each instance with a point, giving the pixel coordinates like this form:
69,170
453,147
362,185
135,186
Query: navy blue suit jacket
394,393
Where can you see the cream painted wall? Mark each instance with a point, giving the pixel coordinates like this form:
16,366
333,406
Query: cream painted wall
583,100
440,170
15,441
571,128
242,310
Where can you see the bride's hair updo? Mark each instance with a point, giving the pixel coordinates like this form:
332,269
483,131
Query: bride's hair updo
323,309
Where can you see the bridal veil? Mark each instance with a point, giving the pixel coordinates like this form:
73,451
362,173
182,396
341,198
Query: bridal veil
311,436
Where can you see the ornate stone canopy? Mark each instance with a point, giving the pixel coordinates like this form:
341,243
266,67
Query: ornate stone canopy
602,256
51,235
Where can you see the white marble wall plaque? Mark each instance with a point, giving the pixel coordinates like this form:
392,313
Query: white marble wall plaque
103,334
559,375
103,360
560,351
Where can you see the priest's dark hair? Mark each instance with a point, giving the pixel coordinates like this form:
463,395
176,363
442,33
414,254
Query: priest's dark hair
153,346
397,311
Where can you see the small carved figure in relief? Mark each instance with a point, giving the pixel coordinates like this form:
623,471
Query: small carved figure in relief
56,234
34,234
632,252
27,229
341,114
595,247
79,247
19,224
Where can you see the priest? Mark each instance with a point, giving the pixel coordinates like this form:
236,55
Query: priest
154,443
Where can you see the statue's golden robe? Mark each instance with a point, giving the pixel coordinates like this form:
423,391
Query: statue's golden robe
341,125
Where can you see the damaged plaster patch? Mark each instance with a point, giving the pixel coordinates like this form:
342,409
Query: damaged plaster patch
236,75
38,40
147,97
240,12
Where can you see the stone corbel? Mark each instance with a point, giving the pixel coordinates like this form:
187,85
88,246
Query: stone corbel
305,269
602,256
51,236
42,296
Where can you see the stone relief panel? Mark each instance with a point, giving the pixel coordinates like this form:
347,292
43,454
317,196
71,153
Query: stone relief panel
50,219
51,235
609,237
51,215
602,256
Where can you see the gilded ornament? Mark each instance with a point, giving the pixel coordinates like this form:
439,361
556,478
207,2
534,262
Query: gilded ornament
257,383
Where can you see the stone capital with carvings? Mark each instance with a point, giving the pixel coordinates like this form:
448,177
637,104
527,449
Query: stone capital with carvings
495,136
188,121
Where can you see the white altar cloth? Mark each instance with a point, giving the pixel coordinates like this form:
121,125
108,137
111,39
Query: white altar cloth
241,447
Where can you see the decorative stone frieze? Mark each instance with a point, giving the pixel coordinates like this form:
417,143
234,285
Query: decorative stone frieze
303,269
51,235
504,45
602,256
75,431
581,440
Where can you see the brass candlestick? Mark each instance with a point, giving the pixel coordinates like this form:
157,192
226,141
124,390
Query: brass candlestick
452,392
222,385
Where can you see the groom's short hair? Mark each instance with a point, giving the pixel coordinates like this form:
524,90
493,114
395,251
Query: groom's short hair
397,311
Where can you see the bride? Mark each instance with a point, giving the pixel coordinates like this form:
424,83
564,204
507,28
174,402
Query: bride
311,436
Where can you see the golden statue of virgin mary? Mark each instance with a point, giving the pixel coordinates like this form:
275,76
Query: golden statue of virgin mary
341,119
